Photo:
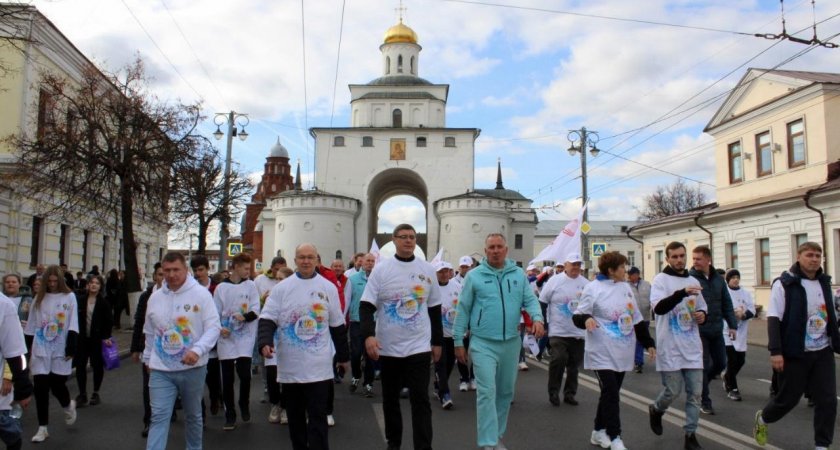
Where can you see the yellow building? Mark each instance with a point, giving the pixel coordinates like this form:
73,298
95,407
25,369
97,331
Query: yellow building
777,154
29,45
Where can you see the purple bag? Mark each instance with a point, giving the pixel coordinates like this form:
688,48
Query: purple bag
111,355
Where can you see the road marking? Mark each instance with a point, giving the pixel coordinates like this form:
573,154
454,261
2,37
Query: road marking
379,413
722,435
763,380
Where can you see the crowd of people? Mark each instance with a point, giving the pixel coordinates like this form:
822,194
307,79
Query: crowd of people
408,324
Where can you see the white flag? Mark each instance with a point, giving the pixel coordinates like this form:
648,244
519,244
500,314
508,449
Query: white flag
374,249
568,241
438,258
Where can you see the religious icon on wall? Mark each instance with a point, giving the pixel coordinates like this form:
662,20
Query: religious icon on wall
397,149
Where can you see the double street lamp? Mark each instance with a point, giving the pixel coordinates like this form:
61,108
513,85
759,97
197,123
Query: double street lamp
581,140
236,123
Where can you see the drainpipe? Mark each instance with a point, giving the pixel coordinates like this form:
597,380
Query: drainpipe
627,232
355,226
807,199
437,216
711,238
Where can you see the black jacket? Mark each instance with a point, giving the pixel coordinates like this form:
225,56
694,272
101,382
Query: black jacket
138,339
101,322
718,302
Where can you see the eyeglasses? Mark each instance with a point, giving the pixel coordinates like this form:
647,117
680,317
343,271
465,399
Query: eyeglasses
409,237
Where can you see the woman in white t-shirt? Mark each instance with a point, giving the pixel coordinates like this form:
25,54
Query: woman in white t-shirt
609,312
54,325
736,350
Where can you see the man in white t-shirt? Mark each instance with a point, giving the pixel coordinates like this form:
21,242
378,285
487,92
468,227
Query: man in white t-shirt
802,338
679,308
465,264
403,293
559,299
305,312
18,388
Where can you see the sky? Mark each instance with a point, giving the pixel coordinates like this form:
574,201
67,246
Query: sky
646,76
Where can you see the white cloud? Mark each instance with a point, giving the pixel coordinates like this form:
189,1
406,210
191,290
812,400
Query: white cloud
401,209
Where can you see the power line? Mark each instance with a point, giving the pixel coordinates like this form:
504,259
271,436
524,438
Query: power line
337,60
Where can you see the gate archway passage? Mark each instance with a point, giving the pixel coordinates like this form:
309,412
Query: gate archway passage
390,183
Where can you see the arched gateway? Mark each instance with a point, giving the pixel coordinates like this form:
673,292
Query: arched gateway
397,144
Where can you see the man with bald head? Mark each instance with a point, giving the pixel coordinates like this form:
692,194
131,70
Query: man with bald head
306,310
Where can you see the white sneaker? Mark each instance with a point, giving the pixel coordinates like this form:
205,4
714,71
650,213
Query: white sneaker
41,435
523,366
617,444
473,385
330,420
274,415
284,418
464,386
70,413
600,438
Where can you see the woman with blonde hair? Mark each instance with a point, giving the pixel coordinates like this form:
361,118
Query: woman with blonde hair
54,325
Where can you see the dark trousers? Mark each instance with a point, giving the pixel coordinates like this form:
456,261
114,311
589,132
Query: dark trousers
147,402
119,307
89,350
444,365
213,380
44,384
639,356
466,371
357,352
411,372
608,416
814,371
275,394
308,399
243,371
566,356
714,361
734,362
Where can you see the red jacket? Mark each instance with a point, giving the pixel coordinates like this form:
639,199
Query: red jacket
328,273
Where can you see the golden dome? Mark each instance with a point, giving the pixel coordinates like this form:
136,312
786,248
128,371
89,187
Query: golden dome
400,33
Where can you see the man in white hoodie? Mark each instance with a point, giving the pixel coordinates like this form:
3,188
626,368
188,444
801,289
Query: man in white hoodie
182,325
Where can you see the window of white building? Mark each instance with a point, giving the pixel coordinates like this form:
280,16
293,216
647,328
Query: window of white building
796,143
449,141
731,251
631,258
795,241
35,243
763,254
736,163
367,141
658,260
338,141
764,154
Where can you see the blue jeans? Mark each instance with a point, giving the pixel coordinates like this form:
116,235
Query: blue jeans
164,388
10,430
673,383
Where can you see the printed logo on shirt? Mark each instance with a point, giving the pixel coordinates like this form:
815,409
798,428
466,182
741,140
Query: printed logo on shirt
306,327
449,315
53,327
405,309
230,322
172,342
682,317
567,306
817,323
621,328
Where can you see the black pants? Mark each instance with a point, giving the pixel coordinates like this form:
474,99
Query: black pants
357,353
714,361
411,372
275,394
119,307
814,371
213,380
734,362
444,365
566,356
308,399
44,384
243,371
464,370
147,401
608,416
89,350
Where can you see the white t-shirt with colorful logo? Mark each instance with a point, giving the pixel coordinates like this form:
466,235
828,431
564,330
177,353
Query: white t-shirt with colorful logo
612,345
403,292
304,310
678,344
49,325
11,341
562,295
816,335
232,299
449,306
740,298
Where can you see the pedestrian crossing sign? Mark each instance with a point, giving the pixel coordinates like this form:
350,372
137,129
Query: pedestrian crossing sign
234,248
598,248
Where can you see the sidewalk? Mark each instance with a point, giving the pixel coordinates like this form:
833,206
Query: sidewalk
123,340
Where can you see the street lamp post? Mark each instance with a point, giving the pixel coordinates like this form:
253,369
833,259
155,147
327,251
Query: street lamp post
232,119
581,140
190,252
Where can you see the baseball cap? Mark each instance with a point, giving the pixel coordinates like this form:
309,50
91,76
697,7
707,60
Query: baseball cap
440,265
465,261
574,257
531,267
633,270
559,264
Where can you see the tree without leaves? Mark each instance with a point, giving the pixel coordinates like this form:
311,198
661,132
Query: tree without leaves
670,200
15,22
104,152
198,187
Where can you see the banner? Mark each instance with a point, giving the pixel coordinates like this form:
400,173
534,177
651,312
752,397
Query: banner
568,241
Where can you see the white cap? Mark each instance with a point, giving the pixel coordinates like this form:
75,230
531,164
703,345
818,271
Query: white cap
440,265
559,264
531,267
465,261
574,257
546,269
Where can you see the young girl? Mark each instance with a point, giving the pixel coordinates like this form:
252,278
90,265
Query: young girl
54,327
609,312
95,322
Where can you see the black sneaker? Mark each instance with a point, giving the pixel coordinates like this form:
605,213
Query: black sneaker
691,442
569,399
637,368
554,398
246,413
230,425
734,395
368,391
655,420
81,400
707,409
145,432
94,399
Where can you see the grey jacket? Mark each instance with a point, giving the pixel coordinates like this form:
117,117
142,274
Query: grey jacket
642,294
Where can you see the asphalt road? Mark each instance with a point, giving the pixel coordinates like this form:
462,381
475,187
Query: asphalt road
534,423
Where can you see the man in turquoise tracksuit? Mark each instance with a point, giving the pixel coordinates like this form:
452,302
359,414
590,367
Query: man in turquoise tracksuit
489,308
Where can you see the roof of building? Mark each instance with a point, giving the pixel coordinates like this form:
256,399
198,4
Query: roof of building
406,95
400,80
816,77
400,33
599,227
505,194
278,151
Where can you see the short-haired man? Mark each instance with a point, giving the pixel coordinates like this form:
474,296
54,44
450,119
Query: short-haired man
353,293
494,293
465,264
680,308
404,294
181,327
138,342
238,304
356,265
641,290
719,303
200,266
559,299
265,282
306,310
802,338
